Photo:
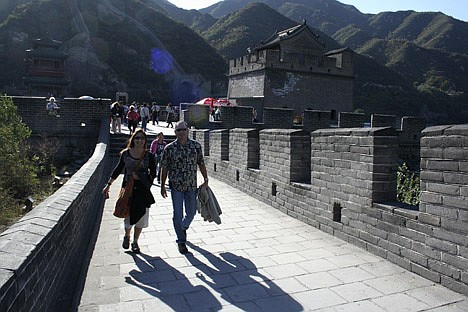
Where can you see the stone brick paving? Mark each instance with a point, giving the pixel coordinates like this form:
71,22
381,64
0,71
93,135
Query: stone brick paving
258,259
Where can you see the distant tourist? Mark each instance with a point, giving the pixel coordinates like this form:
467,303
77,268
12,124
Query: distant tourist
179,162
155,113
170,115
125,111
132,119
116,115
144,115
217,113
157,148
254,115
52,107
135,154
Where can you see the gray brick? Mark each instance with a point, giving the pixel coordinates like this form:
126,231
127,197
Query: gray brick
387,227
455,153
456,261
444,268
442,211
413,235
454,285
456,226
452,201
430,275
429,219
400,240
443,188
414,256
381,252
441,165
450,236
464,277
442,245
404,263
434,176
431,197
457,178
426,250
392,247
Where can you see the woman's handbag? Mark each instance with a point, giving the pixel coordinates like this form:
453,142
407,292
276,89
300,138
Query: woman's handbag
122,206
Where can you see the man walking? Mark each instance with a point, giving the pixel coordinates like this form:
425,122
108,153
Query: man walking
155,113
179,161
144,114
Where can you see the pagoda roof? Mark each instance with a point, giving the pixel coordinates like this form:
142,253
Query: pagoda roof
279,36
43,52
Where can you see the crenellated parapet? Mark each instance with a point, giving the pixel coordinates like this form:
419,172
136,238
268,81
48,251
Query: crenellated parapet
343,181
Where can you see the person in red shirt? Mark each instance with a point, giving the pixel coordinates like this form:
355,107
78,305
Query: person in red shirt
132,119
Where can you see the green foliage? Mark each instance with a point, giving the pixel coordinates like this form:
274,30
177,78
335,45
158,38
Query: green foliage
408,188
18,172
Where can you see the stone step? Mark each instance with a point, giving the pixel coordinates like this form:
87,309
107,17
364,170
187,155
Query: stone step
119,141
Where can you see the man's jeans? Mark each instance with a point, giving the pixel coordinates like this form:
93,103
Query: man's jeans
180,222
144,121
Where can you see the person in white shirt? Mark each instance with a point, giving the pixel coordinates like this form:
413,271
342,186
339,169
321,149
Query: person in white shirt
144,114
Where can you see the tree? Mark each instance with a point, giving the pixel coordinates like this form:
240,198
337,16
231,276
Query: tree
17,173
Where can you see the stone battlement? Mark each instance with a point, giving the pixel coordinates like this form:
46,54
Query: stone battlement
343,181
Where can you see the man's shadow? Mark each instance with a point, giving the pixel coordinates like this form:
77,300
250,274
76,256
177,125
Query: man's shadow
245,284
162,281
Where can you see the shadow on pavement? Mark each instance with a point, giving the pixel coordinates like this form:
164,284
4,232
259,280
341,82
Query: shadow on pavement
244,284
162,281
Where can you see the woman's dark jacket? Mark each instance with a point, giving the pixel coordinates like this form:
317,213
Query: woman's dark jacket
142,197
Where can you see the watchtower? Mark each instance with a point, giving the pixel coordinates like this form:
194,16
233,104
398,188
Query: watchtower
291,69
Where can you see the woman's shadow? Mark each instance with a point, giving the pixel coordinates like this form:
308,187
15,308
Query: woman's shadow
156,277
244,284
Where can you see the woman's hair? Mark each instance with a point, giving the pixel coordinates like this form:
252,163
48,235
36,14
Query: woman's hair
115,104
160,134
132,107
131,140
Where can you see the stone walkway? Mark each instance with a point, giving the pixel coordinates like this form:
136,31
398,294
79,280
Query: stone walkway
258,259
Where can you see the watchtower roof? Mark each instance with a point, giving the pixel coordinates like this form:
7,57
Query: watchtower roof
282,35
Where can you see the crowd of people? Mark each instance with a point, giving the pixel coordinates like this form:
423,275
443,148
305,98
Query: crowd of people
134,114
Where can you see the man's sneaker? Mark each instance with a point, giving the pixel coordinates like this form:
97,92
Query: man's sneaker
182,248
135,247
126,242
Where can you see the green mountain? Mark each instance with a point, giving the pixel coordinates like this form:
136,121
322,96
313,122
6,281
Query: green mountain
110,44
406,63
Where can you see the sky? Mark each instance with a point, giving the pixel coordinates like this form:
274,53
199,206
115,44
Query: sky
455,8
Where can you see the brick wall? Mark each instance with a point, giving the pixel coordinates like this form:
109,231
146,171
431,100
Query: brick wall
75,131
444,204
350,120
41,256
352,187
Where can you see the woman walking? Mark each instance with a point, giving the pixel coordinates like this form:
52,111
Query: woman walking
132,119
139,164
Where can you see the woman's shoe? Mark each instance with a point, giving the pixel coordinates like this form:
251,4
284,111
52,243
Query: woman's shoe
126,242
135,247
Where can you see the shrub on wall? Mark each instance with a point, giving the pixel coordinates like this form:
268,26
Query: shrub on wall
408,188
20,172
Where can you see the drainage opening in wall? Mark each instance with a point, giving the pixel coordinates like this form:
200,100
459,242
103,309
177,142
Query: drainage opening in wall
337,212
237,175
273,188
214,167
